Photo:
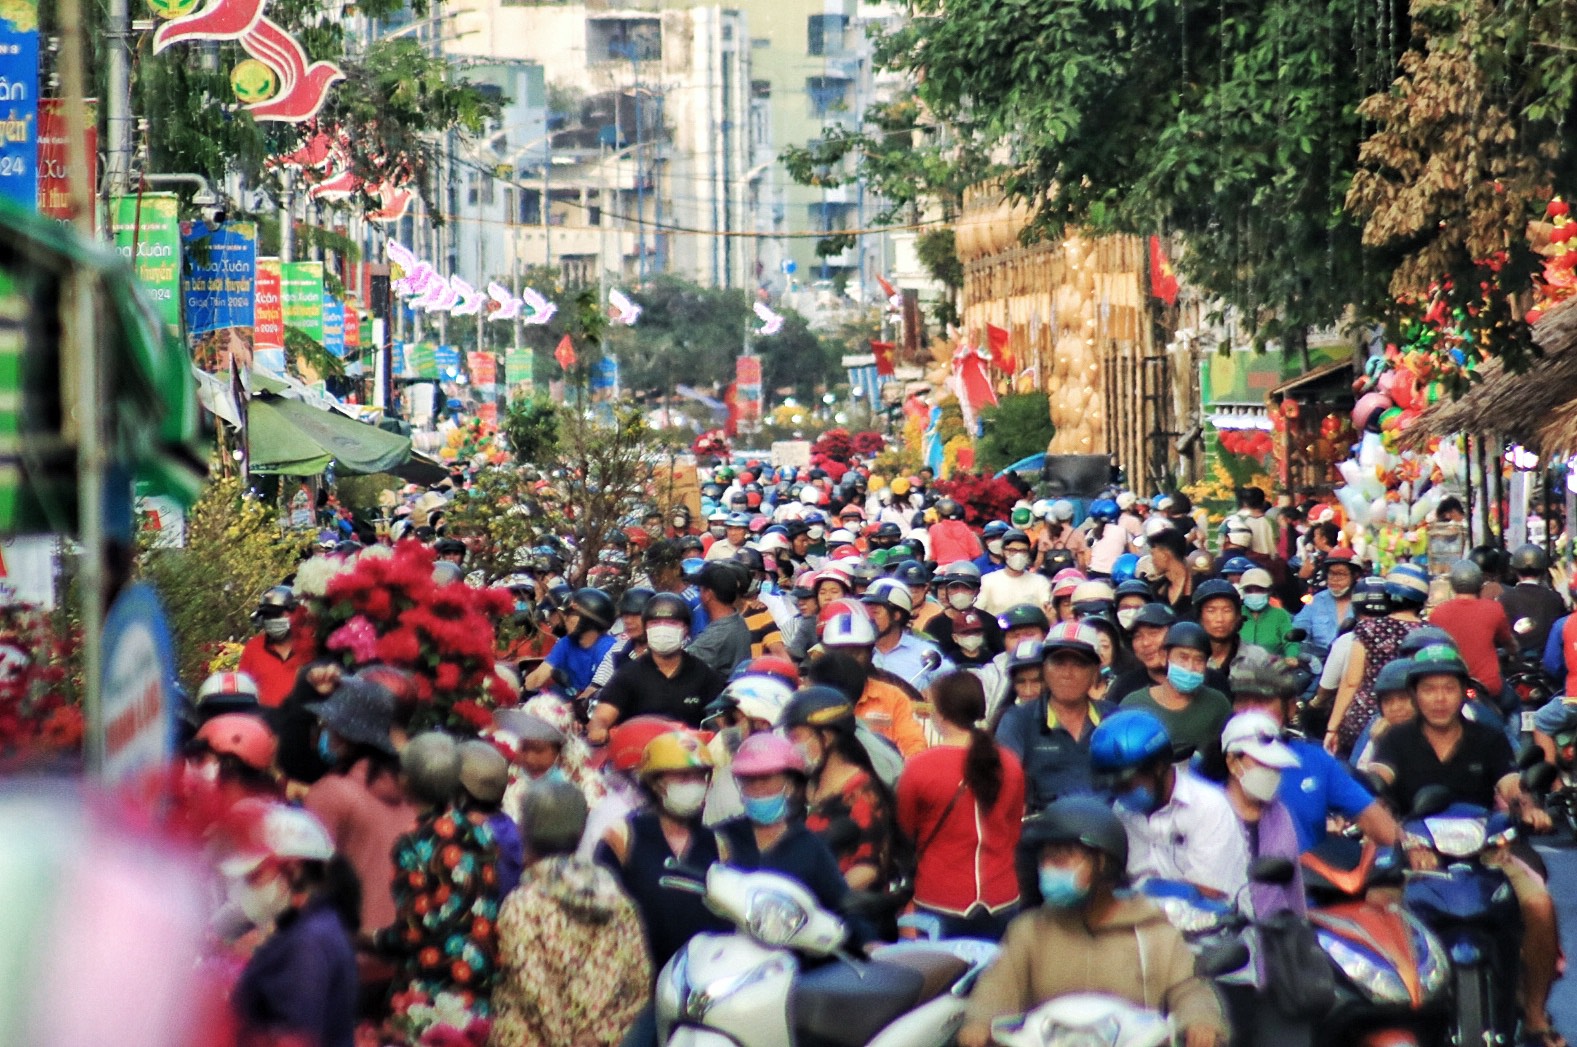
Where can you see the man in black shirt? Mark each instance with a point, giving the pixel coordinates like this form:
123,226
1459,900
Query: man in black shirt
1531,598
665,681
1473,761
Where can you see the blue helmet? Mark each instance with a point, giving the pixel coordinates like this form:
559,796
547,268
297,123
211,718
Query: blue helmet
1237,565
1407,583
995,529
1105,510
1124,568
1127,740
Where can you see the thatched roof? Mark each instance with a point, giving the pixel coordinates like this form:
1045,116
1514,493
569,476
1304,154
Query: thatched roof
1537,408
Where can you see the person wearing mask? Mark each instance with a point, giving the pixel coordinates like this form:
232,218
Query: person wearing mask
1478,627
360,801
274,655
761,621
1015,584
1257,760
726,641
1025,623
1218,608
971,638
736,532
1050,733
574,660
1192,712
1180,826
1264,626
1060,533
1375,642
484,775
443,938
898,651
1321,618
1147,646
1174,585
666,681
231,759
617,764
1126,946
300,985
962,802
1131,595
959,585
990,558
632,644
1531,598
565,910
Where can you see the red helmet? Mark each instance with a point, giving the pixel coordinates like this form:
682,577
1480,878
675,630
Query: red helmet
627,741
846,605
245,737
770,665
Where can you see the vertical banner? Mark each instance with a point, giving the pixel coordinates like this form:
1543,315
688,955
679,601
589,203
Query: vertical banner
220,294
352,327
268,319
518,364
302,284
447,359
747,380
19,102
149,225
422,360
53,197
333,326
484,368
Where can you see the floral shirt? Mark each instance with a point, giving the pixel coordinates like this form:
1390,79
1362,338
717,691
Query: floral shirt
444,935
565,911
1379,637
856,824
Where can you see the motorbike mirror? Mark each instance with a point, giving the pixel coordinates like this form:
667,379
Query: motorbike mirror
1223,959
1271,870
1529,755
1539,778
1523,626
1431,800
1296,635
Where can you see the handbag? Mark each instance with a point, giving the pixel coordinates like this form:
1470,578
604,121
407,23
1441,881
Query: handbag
1300,982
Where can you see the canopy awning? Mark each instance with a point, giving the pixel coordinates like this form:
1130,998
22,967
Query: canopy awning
1322,373
296,439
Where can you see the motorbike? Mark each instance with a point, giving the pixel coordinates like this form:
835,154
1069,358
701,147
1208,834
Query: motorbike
1523,672
1392,972
1471,908
783,980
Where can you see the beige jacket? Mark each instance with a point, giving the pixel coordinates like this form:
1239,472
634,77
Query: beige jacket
1136,954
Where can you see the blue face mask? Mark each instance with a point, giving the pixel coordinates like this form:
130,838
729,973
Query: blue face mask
1139,800
1187,681
326,749
1256,601
766,810
1060,888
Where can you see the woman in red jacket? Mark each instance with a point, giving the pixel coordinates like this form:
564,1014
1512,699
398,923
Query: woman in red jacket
962,802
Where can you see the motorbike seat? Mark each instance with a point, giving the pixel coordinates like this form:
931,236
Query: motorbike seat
940,969
836,1005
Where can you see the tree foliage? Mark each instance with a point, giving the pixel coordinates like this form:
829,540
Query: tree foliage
1017,427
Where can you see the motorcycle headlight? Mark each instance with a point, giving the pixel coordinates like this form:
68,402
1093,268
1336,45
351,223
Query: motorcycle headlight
1457,837
773,918
1434,965
1102,1033
1384,986
1190,920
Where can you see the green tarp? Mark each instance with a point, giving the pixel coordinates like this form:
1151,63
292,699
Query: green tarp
297,439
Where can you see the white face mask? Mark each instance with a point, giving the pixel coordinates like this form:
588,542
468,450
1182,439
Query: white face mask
684,799
995,546
276,628
969,643
262,904
962,600
1126,616
1017,561
1260,782
665,637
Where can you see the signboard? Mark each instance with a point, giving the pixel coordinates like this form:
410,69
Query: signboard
53,193
792,453
352,327
333,326
27,570
161,521
219,294
747,386
518,370
19,102
302,286
268,319
421,360
148,226
447,360
137,686
484,368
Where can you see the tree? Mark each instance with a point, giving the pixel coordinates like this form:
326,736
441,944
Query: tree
1017,427
532,427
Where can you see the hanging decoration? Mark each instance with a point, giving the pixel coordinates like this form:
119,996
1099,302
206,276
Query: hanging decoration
541,310
623,312
323,161
771,323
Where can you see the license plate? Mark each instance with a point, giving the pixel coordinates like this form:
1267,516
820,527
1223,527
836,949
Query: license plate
1527,720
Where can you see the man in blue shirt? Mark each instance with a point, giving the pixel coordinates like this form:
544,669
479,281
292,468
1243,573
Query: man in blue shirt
575,658
897,649
1321,618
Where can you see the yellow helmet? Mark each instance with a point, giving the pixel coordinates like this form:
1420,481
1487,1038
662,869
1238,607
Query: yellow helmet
674,751
901,486
876,482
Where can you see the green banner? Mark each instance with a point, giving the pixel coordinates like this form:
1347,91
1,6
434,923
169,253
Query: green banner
423,359
151,225
301,285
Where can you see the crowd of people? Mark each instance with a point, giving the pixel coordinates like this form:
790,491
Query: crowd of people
1000,725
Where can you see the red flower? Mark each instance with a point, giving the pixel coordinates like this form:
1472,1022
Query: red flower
447,676
474,715
399,647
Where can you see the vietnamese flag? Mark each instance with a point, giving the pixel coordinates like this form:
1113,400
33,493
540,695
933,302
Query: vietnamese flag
883,351
997,340
1163,281
565,353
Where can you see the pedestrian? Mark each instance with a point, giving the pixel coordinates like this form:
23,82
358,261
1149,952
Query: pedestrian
484,775
567,911
1192,711
962,802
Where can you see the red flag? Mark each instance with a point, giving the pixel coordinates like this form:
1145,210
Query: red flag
894,296
565,353
884,357
1163,281
997,339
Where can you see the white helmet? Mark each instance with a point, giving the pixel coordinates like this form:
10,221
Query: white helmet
772,543
848,629
1154,525
889,592
229,685
760,697
1061,510
1041,508
810,495
279,832
1126,500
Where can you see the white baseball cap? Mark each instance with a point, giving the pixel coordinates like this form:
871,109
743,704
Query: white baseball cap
1256,734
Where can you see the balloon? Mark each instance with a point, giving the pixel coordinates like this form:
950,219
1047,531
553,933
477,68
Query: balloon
1366,413
1403,390
1391,420
1386,383
1357,509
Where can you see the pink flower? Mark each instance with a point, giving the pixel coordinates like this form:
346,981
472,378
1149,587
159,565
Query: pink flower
358,637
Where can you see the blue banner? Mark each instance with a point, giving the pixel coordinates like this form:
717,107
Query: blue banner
606,374
333,325
19,103
448,360
219,293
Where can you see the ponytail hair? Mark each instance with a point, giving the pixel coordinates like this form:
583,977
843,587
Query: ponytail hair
959,699
1098,530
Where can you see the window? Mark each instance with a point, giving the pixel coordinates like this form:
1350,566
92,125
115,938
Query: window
824,34
828,94
624,39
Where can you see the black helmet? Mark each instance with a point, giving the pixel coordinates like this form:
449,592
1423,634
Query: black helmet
1190,635
1157,615
821,708
1083,820
1011,536
449,547
688,542
1370,598
751,560
889,530
912,573
595,607
1491,561
1529,559
634,601
1055,560
1022,615
1466,577
1134,587
669,606
1262,675
279,596
949,509
1217,588
1423,636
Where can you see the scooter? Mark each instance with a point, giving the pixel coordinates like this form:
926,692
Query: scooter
1392,971
1471,908
1524,674
1085,1018
755,988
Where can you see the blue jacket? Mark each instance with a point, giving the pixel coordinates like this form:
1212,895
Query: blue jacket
1320,620
302,981
1555,650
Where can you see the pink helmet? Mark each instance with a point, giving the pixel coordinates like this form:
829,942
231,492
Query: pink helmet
764,754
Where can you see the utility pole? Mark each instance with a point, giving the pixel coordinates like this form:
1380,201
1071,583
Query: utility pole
117,103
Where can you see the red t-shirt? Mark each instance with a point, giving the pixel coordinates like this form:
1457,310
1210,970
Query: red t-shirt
275,676
1477,626
953,540
969,860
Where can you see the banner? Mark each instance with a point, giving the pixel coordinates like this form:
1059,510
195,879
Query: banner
484,368
333,326
352,327
151,223
220,293
268,319
19,102
447,360
747,382
519,370
53,198
421,360
302,284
